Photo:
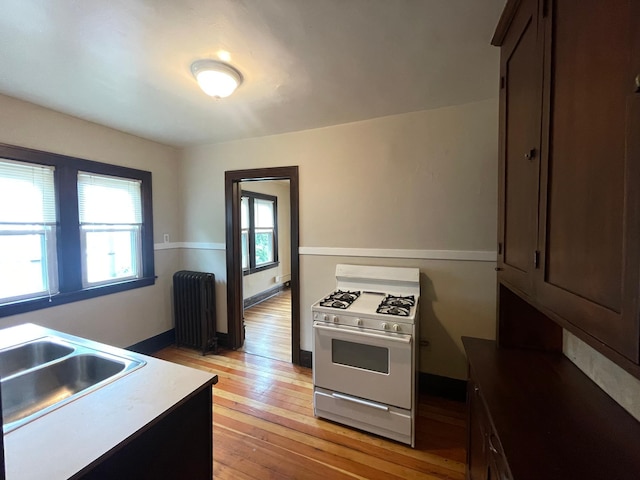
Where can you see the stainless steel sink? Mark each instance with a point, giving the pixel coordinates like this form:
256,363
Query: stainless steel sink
48,373
29,355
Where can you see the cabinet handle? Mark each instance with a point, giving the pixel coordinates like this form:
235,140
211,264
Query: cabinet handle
499,269
638,83
531,154
491,447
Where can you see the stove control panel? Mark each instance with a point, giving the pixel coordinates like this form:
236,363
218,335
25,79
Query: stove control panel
363,322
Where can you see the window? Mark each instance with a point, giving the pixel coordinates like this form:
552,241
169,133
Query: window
110,212
259,233
27,231
70,229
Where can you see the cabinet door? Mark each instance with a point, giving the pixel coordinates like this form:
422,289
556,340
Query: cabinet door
520,117
589,230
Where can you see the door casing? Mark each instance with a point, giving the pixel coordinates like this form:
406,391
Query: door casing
232,180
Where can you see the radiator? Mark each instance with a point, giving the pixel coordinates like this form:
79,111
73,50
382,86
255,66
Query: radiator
194,303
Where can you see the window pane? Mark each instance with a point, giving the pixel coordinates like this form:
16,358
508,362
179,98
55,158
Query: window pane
245,249
109,200
23,265
27,193
263,211
244,212
264,246
110,254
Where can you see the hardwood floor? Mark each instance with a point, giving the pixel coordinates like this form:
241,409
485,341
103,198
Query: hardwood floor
264,428
268,328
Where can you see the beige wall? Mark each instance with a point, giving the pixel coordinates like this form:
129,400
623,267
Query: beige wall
415,183
120,319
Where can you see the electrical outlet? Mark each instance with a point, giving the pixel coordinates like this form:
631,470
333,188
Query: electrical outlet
166,238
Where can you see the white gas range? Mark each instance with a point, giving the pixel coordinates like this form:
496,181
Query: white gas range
365,354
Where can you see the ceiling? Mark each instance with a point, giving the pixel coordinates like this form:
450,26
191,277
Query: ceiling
306,63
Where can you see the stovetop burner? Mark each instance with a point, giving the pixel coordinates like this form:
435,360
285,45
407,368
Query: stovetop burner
396,305
340,299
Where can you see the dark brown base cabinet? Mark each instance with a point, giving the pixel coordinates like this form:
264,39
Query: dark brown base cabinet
484,454
534,415
177,446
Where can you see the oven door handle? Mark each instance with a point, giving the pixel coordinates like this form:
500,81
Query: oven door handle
360,401
404,339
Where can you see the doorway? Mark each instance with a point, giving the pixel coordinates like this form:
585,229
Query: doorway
235,300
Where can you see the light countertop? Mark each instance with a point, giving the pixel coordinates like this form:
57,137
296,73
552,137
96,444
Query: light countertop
65,440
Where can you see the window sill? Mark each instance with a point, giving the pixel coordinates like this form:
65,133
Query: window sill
33,304
268,266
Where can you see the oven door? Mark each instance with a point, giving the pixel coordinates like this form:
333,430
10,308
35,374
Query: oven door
376,366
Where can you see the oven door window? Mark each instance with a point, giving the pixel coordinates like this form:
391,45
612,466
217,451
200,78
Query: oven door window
359,355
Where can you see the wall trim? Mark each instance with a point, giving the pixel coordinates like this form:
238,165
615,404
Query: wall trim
463,255
189,245
467,255
155,343
306,358
262,296
445,387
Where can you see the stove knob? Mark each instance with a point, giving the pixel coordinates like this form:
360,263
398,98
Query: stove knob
359,322
396,327
325,318
336,319
385,326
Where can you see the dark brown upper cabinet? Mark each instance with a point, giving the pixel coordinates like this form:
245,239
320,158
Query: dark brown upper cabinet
569,203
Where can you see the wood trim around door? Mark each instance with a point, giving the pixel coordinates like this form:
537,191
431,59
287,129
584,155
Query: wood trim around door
232,181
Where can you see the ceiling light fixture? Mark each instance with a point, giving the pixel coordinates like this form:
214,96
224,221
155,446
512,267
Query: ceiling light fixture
215,78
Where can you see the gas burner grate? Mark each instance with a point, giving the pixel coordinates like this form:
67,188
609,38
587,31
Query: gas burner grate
396,305
340,299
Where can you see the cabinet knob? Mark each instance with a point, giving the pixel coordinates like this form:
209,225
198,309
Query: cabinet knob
531,154
638,83
492,447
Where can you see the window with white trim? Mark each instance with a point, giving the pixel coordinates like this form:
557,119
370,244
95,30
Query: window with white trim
70,229
259,232
28,260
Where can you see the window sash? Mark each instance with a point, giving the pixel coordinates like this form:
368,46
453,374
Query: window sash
121,263
26,278
263,213
27,193
264,250
104,199
244,242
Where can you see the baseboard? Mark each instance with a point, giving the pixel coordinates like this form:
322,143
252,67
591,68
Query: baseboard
223,339
306,358
262,296
445,387
153,344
